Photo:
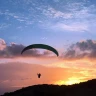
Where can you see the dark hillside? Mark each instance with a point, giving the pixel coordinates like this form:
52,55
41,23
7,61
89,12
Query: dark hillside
83,89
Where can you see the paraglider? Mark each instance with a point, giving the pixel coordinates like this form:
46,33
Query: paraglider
39,75
42,46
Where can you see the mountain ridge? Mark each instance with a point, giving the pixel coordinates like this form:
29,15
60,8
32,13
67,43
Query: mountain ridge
87,88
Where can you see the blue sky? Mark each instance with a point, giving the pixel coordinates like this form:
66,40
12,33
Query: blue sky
53,22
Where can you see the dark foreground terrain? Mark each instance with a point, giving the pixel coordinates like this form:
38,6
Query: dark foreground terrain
83,89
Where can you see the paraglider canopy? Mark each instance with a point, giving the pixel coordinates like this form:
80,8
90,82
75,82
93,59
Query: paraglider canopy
42,46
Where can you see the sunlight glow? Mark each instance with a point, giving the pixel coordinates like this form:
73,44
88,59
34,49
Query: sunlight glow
70,81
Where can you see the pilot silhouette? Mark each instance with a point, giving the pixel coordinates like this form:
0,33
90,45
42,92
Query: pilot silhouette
39,75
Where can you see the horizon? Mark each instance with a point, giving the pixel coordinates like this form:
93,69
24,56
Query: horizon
66,25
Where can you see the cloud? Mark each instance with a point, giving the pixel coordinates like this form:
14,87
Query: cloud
75,27
75,10
69,16
16,16
4,25
74,17
29,15
14,50
2,44
51,12
46,52
82,49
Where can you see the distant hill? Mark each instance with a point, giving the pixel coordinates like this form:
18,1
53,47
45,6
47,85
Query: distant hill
83,89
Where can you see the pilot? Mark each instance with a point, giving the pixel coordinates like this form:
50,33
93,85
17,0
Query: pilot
39,75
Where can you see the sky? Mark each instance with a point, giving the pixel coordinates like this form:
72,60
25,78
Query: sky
67,25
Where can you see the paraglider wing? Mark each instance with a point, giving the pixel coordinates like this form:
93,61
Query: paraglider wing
42,46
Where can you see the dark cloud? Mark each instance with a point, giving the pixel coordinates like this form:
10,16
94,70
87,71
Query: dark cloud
81,49
46,52
14,50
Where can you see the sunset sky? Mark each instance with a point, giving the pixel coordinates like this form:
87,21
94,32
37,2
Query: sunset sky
67,25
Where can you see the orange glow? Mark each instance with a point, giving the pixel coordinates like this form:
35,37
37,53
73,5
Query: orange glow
70,81
53,70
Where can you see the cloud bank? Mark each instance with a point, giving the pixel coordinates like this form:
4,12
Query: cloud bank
82,49
14,50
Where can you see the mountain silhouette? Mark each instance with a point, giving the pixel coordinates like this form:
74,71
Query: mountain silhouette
87,88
